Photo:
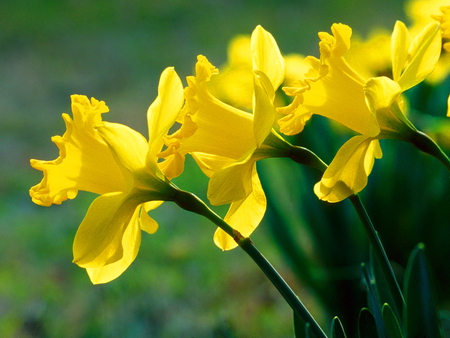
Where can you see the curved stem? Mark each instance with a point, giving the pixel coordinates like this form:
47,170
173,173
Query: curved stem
190,202
394,288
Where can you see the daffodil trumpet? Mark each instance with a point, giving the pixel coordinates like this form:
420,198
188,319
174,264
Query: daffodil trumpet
372,107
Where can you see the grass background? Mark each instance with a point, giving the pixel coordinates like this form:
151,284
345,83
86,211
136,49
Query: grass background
181,285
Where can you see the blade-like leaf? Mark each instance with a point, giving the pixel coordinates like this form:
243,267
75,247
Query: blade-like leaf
337,330
421,315
367,328
391,322
373,299
382,289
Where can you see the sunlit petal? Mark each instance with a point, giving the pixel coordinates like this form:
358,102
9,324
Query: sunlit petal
244,216
348,172
331,88
128,146
382,95
99,240
85,161
163,112
232,183
234,84
147,223
400,44
220,129
267,57
264,112
296,117
423,56
210,163
131,241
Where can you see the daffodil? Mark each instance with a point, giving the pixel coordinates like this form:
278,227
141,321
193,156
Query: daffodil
371,56
234,84
120,165
223,140
372,107
444,20
422,13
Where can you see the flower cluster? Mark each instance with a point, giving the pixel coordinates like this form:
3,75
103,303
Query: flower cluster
227,123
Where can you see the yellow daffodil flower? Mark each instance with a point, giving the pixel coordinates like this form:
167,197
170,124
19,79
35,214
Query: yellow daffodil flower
119,164
234,84
420,12
444,20
371,107
372,56
423,12
223,139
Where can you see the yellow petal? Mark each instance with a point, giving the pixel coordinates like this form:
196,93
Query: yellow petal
448,106
130,149
331,88
400,44
382,95
342,34
99,240
371,56
296,117
423,56
244,216
347,173
209,163
173,164
264,112
163,112
340,96
421,12
296,67
221,129
128,146
130,243
147,223
234,83
232,183
267,56
444,20
85,161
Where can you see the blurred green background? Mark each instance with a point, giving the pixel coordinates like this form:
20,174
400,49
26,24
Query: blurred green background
181,285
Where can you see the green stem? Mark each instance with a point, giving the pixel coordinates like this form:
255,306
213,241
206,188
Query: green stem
426,144
276,146
380,254
372,234
190,202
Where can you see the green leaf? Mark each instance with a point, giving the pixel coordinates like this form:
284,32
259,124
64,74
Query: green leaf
337,330
374,302
367,328
381,288
391,322
421,315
